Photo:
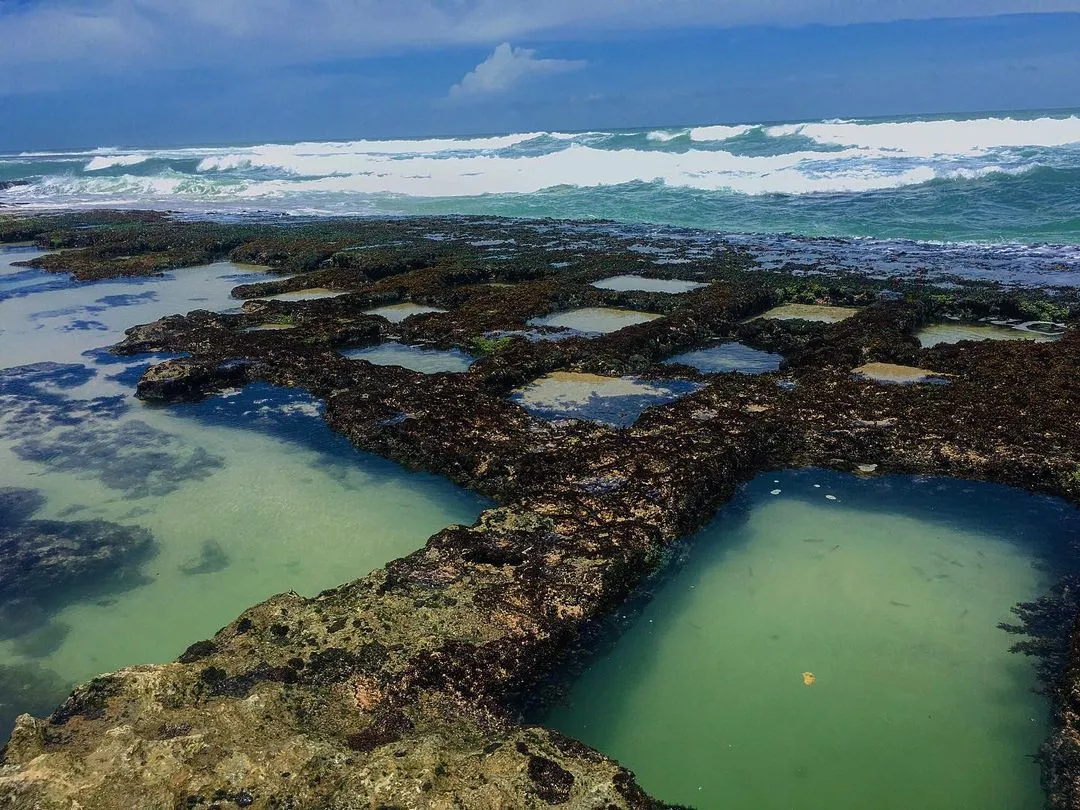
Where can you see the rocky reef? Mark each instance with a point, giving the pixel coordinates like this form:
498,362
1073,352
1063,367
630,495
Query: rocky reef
405,688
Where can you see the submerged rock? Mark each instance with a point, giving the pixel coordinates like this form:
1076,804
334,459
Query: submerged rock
21,615
26,689
44,641
212,558
132,456
45,560
17,505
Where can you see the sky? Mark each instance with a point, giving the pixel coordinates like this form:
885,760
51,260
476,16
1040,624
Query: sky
80,73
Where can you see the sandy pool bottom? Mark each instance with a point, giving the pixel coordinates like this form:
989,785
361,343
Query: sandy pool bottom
889,599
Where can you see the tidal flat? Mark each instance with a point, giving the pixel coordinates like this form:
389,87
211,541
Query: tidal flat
221,462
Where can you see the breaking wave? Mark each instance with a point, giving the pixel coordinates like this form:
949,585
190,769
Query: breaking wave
659,174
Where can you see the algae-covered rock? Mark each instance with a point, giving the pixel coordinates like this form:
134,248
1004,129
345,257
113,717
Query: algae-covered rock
42,559
16,505
405,688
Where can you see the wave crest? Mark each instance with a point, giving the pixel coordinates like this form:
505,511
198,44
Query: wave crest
108,162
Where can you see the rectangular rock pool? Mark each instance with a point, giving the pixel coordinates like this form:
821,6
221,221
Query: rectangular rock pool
832,643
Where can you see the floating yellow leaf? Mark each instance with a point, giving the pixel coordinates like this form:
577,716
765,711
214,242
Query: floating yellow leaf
809,678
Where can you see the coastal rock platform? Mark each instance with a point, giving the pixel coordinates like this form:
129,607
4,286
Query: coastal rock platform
406,688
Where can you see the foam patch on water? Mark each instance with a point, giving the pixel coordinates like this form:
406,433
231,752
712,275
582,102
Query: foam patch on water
946,137
108,162
861,157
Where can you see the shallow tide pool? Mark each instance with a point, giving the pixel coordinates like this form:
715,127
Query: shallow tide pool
831,643
594,320
642,284
956,332
730,356
809,312
245,495
616,401
417,358
396,313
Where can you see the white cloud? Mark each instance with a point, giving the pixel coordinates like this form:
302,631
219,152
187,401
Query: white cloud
506,67
74,37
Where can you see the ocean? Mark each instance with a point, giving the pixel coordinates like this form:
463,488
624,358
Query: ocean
1001,179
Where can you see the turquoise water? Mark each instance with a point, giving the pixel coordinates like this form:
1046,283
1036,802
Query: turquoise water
887,594
1006,177
246,495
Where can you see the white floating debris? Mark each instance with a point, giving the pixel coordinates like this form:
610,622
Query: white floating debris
817,486
776,491
830,497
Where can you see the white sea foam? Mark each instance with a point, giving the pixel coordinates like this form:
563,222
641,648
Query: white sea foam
301,172
110,161
867,156
719,132
582,166
933,138
663,136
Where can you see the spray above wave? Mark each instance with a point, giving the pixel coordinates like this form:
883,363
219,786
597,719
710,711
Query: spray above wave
932,138
107,162
279,170
702,176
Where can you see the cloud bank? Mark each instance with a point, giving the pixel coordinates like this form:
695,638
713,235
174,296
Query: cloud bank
115,34
506,67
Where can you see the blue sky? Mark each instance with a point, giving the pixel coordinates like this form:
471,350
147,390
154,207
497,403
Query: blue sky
151,72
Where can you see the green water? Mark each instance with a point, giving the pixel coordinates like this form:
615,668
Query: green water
285,519
247,495
890,596
955,332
